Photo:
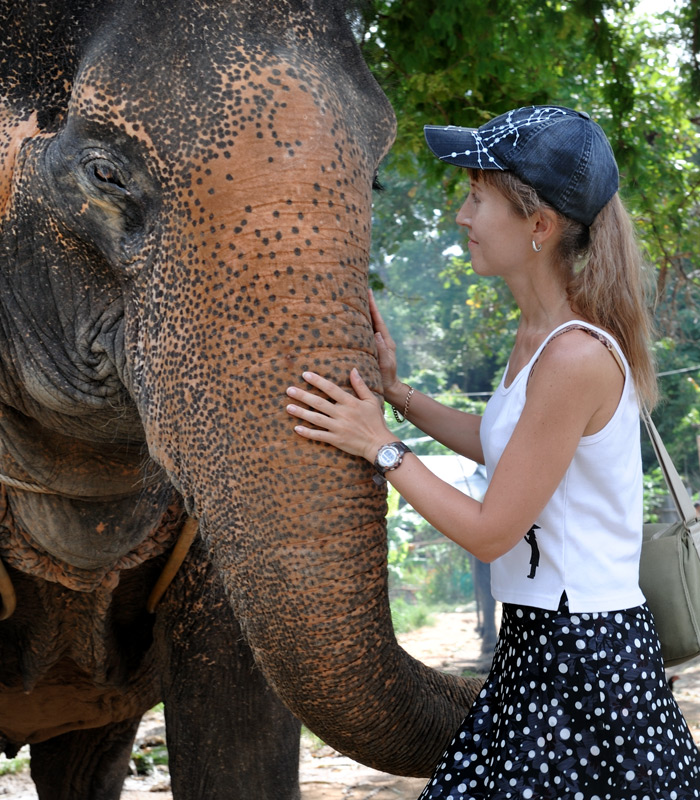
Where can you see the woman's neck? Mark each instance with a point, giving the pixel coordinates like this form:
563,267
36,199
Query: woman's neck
543,307
543,303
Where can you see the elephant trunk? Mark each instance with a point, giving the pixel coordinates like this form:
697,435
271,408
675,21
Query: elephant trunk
267,277
324,638
297,531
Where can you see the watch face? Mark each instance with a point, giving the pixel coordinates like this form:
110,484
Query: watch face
388,456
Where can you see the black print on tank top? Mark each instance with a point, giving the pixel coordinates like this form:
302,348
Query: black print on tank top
531,539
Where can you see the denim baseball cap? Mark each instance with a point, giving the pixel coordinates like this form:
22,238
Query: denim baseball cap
560,152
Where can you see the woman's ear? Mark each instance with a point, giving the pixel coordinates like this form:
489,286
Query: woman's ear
545,224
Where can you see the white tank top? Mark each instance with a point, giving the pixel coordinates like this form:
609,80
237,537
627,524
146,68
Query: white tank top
587,540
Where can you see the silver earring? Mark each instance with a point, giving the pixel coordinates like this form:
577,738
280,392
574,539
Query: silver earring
536,247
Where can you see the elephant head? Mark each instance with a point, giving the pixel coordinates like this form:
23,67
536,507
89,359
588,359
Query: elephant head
186,207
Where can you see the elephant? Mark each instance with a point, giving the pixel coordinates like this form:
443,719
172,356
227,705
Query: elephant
185,200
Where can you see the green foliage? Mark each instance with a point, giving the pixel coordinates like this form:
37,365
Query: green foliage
147,758
687,17
678,360
11,766
159,754
314,741
143,763
424,445
408,616
446,61
453,329
462,62
425,568
655,494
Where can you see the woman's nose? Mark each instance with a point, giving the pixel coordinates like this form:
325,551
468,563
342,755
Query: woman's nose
463,215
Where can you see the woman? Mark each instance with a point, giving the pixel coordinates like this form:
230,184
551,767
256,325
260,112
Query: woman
576,705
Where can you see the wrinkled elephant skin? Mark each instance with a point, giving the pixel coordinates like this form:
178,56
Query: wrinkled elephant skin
185,192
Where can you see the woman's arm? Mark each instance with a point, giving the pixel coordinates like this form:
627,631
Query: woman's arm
575,382
457,430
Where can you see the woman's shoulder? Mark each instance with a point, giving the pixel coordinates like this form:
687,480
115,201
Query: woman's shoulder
587,329
587,353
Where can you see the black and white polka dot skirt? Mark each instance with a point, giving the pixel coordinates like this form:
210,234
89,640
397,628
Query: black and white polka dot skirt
576,707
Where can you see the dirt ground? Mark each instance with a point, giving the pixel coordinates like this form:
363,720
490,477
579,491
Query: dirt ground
450,645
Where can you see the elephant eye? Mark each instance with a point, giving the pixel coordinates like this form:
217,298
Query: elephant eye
106,175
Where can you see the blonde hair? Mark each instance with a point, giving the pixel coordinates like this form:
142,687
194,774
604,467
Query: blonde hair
606,279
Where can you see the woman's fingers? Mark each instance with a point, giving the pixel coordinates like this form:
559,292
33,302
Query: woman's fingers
353,422
383,350
329,388
377,320
314,401
361,389
317,434
322,422
386,347
312,417
378,323
319,402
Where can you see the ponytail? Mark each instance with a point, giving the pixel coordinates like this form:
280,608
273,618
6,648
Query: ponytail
611,289
603,271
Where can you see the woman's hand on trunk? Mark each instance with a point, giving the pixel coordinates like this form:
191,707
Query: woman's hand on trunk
353,423
386,354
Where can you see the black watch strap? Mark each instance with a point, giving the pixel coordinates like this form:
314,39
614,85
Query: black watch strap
389,457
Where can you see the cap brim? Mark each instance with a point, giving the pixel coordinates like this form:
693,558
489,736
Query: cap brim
460,146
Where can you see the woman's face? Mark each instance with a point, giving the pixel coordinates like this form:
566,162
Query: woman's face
499,239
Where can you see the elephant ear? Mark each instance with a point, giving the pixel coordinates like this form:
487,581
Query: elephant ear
14,129
41,45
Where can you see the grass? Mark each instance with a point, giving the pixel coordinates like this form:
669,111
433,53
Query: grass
309,736
11,766
407,617
147,758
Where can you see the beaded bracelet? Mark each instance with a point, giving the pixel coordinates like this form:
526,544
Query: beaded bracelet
402,418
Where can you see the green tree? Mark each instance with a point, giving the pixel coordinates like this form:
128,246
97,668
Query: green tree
462,62
443,61
678,359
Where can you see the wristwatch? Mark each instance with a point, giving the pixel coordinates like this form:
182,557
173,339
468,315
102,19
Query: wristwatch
389,456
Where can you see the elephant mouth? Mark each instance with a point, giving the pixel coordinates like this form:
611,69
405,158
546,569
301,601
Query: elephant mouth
8,596
95,552
155,478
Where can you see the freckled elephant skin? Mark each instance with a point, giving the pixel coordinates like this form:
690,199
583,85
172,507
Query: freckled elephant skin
185,203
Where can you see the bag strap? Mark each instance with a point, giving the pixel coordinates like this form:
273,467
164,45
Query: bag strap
594,332
681,498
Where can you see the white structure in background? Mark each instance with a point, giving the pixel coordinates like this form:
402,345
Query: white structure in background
460,472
